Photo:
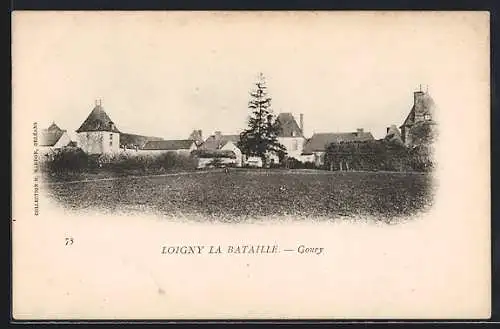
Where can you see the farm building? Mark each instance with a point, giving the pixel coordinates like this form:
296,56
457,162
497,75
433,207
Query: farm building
98,133
315,147
421,113
182,146
53,138
292,134
218,141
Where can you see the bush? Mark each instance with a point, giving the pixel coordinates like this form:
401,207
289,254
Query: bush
74,160
67,160
378,155
309,165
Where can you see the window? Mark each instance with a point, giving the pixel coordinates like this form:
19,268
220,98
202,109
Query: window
294,133
110,139
427,117
294,145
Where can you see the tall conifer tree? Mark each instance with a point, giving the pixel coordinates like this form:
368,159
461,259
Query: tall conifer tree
261,137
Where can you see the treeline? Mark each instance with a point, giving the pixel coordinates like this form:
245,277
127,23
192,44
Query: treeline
378,155
75,160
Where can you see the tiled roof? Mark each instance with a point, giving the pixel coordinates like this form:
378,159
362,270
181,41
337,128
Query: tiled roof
319,142
289,126
98,120
54,127
49,137
170,145
136,140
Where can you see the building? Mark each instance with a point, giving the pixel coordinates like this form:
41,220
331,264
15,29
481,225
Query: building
422,112
291,135
135,142
218,141
182,146
315,147
393,135
53,138
98,134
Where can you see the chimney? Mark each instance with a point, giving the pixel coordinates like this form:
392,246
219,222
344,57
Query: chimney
360,130
302,123
218,135
388,130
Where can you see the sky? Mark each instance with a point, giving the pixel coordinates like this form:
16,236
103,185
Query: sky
165,74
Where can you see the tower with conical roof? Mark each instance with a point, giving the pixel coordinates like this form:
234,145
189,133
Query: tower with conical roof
98,134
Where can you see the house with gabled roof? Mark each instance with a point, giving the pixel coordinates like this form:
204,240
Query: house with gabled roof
229,143
53,138
315,147
98,134
291,135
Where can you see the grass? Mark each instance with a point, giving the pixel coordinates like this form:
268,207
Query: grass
244,194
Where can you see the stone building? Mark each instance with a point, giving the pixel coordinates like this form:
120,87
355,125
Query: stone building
98,133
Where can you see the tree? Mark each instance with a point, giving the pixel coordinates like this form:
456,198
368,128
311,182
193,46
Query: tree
261,137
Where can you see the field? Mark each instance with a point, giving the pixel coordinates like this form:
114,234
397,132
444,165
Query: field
242,194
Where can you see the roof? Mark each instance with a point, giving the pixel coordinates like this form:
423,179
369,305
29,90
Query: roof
136,140
54,127
288,126
214,154
318,142
170,145
214,142
98,120
49,137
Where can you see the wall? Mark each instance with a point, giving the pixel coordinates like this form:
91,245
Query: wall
98,142
232,147
204,162
319,158
185,152
290,142
307,158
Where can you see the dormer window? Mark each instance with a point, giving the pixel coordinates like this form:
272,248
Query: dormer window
427,117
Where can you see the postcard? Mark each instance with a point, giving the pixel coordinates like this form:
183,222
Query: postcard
250,165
